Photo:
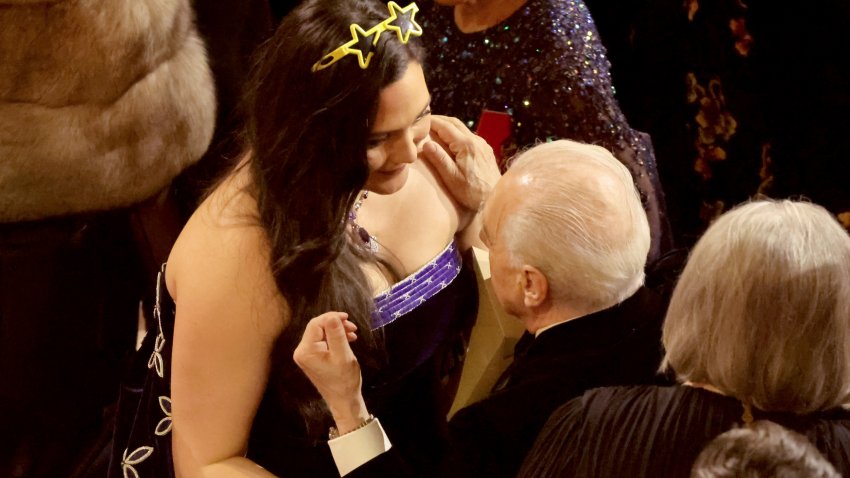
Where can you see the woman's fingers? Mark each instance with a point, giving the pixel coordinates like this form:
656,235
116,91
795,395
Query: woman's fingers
336,334
315,340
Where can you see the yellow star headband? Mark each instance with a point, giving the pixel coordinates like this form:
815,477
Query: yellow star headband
400,21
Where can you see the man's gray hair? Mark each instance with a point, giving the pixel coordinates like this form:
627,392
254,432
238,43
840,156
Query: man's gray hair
581,222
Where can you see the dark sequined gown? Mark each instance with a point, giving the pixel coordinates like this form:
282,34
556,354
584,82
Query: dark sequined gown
546,68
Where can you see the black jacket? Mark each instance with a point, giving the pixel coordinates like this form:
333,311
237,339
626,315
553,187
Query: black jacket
620,345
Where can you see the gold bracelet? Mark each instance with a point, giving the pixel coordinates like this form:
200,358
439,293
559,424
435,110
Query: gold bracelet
334,433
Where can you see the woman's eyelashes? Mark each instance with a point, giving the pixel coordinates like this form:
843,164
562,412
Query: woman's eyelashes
373,143
376,141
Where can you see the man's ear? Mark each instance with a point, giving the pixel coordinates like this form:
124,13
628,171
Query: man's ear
535,286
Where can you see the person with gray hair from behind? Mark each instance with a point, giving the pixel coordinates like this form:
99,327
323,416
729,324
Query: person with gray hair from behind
568,241
762,450
758,328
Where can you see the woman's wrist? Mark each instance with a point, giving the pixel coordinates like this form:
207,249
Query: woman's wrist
350,416
335,433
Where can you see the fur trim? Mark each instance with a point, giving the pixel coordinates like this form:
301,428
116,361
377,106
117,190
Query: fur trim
98,110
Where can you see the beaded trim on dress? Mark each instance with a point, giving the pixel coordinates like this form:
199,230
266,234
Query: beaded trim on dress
415,289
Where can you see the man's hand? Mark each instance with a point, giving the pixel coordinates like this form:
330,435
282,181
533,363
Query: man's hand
463,161
326,358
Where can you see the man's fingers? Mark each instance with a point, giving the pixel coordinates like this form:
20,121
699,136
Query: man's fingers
465,163
459,139
448,130
457,123
440,160
436,154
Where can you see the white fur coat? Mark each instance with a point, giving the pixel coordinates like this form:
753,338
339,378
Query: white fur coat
102,103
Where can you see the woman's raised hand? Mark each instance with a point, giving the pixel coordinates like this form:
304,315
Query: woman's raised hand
328,361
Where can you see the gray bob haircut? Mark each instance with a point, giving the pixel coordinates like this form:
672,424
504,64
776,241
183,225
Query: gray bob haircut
762,309
581,222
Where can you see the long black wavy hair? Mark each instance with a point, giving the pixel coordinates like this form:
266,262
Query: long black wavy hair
307,132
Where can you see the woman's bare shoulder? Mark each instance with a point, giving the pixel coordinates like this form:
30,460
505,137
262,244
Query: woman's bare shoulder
222,255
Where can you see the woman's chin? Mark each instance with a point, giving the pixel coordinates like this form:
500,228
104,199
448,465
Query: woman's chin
387,183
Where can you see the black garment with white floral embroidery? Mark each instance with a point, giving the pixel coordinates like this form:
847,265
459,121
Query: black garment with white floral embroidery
142,439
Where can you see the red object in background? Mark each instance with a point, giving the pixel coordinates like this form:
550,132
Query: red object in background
495,128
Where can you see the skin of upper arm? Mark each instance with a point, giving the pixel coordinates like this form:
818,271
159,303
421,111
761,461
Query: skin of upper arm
229,314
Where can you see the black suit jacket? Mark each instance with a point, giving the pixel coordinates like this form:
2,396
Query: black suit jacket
620,345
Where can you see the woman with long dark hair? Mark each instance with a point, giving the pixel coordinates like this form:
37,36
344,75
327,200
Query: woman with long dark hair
338,109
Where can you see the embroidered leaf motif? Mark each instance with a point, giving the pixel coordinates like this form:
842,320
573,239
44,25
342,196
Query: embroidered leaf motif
130,472
156,361
165,405
139,455
164,425
156,356
160,342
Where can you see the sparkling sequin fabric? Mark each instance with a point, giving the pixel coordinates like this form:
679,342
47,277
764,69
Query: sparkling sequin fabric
546,67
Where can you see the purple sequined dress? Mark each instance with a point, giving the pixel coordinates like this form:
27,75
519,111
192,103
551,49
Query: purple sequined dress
544,66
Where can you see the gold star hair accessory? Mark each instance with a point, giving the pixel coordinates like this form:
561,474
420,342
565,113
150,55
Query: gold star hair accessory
401,21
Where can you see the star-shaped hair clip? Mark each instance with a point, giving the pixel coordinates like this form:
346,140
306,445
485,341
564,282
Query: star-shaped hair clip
401,21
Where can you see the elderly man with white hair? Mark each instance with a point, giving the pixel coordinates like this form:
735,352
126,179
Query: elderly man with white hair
568,241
